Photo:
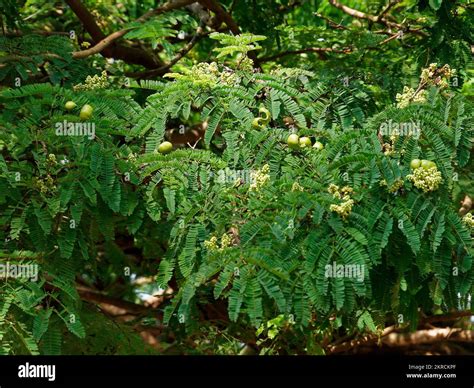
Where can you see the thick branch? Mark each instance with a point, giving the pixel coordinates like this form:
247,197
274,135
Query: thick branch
122,306
429,336
466,205
223,16
106,44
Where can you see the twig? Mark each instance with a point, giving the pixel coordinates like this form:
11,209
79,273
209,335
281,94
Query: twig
387,8
373,18
332,23
306,50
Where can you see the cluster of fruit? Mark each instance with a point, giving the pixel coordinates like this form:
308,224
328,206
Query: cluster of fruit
425,175
295,142
345,207
213,243
84,114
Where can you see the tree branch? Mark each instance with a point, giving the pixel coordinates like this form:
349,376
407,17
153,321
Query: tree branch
429,336
122,307
129,54
447,317
367,340
375,19
223,16
181,53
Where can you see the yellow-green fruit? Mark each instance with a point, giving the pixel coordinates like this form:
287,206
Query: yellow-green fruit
293,141
264,114
86,112
165,148
415,163
305,142
427,164
258,123
318,145
70,105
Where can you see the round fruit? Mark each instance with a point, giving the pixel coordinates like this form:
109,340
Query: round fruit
293,141
258,123
165,148
70,105
86,112
305,142
318,145
427,164
415,163
264,114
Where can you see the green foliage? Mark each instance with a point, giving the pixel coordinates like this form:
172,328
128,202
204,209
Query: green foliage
295,244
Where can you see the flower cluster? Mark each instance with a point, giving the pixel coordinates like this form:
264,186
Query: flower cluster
51,160
435,76
468,219
260,178
345,207
245,63
213,243
410,95
297,187
206,75
45,185
426,179
397,185
94,82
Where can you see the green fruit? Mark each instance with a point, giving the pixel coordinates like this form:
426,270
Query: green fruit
70,105
86,112
165,148
293,141
415,163
258,123
427,164
305,142
318,145
264,114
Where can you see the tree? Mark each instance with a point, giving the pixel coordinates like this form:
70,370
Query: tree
281,174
